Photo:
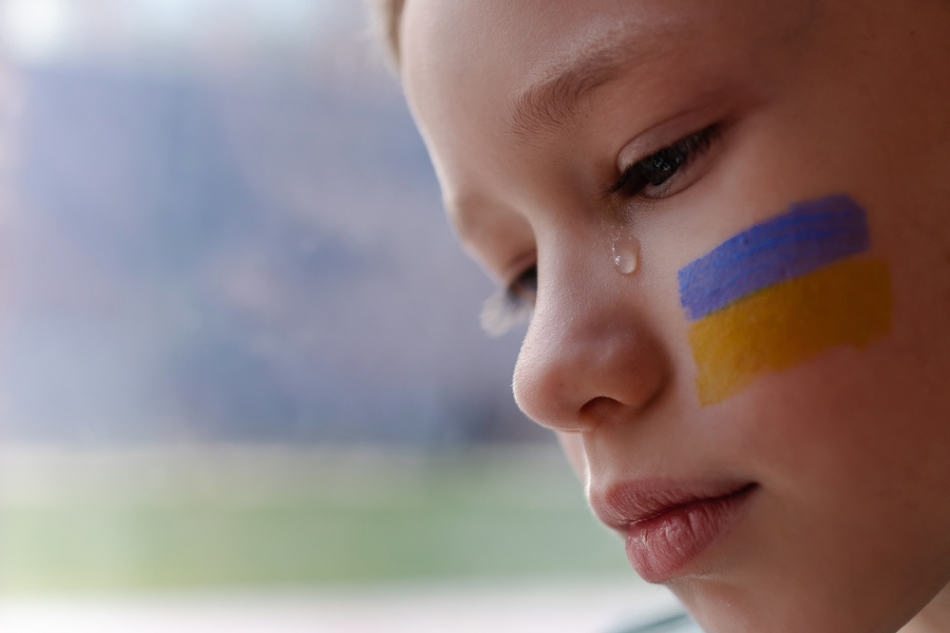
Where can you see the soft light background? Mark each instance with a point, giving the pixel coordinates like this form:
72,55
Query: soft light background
242,384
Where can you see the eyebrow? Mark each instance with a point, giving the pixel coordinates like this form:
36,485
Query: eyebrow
552,103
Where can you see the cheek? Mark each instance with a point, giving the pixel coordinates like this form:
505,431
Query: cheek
782,292
846,468
790,323
852,452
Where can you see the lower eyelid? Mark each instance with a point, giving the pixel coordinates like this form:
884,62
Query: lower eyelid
682,179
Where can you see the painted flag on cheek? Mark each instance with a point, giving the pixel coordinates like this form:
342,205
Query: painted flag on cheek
782,292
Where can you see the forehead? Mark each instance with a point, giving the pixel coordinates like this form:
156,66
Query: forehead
486,78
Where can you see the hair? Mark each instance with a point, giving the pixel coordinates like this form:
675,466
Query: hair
388,14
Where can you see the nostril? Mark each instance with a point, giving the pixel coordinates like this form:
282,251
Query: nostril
601,410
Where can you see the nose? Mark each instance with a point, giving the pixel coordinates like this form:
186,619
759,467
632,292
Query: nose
589,358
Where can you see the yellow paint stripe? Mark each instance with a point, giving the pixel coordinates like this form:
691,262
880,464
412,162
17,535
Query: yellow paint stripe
780,326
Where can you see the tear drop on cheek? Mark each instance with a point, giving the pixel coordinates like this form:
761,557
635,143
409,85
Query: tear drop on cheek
626,254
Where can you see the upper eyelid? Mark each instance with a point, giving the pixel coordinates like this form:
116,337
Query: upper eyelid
719,106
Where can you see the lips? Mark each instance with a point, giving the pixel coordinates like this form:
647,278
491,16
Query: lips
667,526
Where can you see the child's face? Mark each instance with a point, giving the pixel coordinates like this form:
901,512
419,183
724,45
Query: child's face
807,488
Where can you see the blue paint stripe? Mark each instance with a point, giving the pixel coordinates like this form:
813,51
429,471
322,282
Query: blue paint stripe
806,237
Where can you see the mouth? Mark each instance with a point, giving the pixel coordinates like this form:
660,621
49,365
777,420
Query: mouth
668,526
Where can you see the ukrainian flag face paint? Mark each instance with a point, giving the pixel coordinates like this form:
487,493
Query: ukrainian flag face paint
782,292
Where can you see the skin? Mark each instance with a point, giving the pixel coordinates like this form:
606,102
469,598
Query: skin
849,528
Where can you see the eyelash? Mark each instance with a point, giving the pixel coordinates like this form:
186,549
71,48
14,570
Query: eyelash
514,304
655,170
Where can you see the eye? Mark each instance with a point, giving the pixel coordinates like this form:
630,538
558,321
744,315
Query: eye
648,176
512,305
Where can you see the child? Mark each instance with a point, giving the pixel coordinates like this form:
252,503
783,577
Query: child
730,219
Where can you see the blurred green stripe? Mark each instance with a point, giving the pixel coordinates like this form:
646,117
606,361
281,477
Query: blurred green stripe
464,516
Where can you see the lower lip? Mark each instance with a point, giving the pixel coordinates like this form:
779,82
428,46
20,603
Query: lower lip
660,547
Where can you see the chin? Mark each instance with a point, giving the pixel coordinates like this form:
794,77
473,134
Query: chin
771,596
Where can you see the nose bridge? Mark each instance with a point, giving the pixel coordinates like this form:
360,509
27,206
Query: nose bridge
590,354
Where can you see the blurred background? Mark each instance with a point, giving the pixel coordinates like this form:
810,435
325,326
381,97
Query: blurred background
242,381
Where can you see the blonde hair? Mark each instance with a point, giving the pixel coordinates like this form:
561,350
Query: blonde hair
388,14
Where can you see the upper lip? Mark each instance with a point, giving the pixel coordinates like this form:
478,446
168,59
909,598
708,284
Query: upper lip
621,506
